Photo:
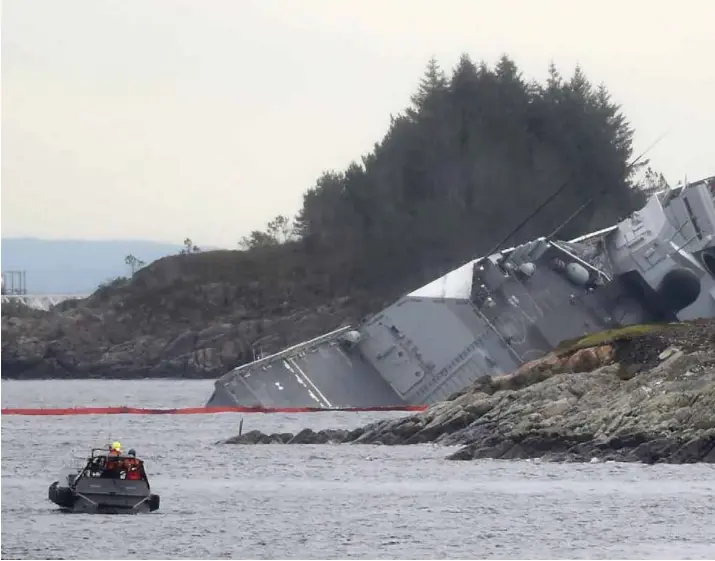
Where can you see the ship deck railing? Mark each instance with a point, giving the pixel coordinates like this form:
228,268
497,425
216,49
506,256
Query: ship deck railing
290,351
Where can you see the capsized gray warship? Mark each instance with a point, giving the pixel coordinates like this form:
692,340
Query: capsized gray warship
494,313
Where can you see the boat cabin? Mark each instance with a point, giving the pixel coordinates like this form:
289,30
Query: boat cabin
113,466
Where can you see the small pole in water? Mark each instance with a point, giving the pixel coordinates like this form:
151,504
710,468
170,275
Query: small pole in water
240,427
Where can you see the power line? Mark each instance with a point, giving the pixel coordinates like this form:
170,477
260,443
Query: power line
551,197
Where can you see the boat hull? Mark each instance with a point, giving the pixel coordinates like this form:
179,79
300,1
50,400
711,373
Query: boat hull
105,497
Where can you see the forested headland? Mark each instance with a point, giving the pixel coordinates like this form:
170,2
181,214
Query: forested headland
474,154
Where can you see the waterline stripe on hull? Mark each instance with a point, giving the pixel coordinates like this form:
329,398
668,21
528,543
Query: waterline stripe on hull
196,410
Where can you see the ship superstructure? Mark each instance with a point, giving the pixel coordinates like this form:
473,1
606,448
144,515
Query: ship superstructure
496,312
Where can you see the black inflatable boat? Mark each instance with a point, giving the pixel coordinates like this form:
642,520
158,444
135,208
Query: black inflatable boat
109,484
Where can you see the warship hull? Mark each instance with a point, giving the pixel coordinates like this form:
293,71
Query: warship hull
496,312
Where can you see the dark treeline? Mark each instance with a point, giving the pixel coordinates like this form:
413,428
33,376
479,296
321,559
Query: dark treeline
473,156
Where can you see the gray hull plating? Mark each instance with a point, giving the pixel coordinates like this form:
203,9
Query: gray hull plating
494,313
319,373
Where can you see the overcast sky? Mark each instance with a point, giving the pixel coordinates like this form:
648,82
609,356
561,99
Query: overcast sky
163,119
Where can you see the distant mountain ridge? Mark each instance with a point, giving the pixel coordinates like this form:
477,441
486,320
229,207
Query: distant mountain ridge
68,266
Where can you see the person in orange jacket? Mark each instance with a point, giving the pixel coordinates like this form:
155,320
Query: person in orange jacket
133,466
115,449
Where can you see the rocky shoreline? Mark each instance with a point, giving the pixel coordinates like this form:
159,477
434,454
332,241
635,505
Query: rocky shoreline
192,316
646,397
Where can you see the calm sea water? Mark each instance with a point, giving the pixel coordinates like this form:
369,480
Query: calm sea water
333,501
